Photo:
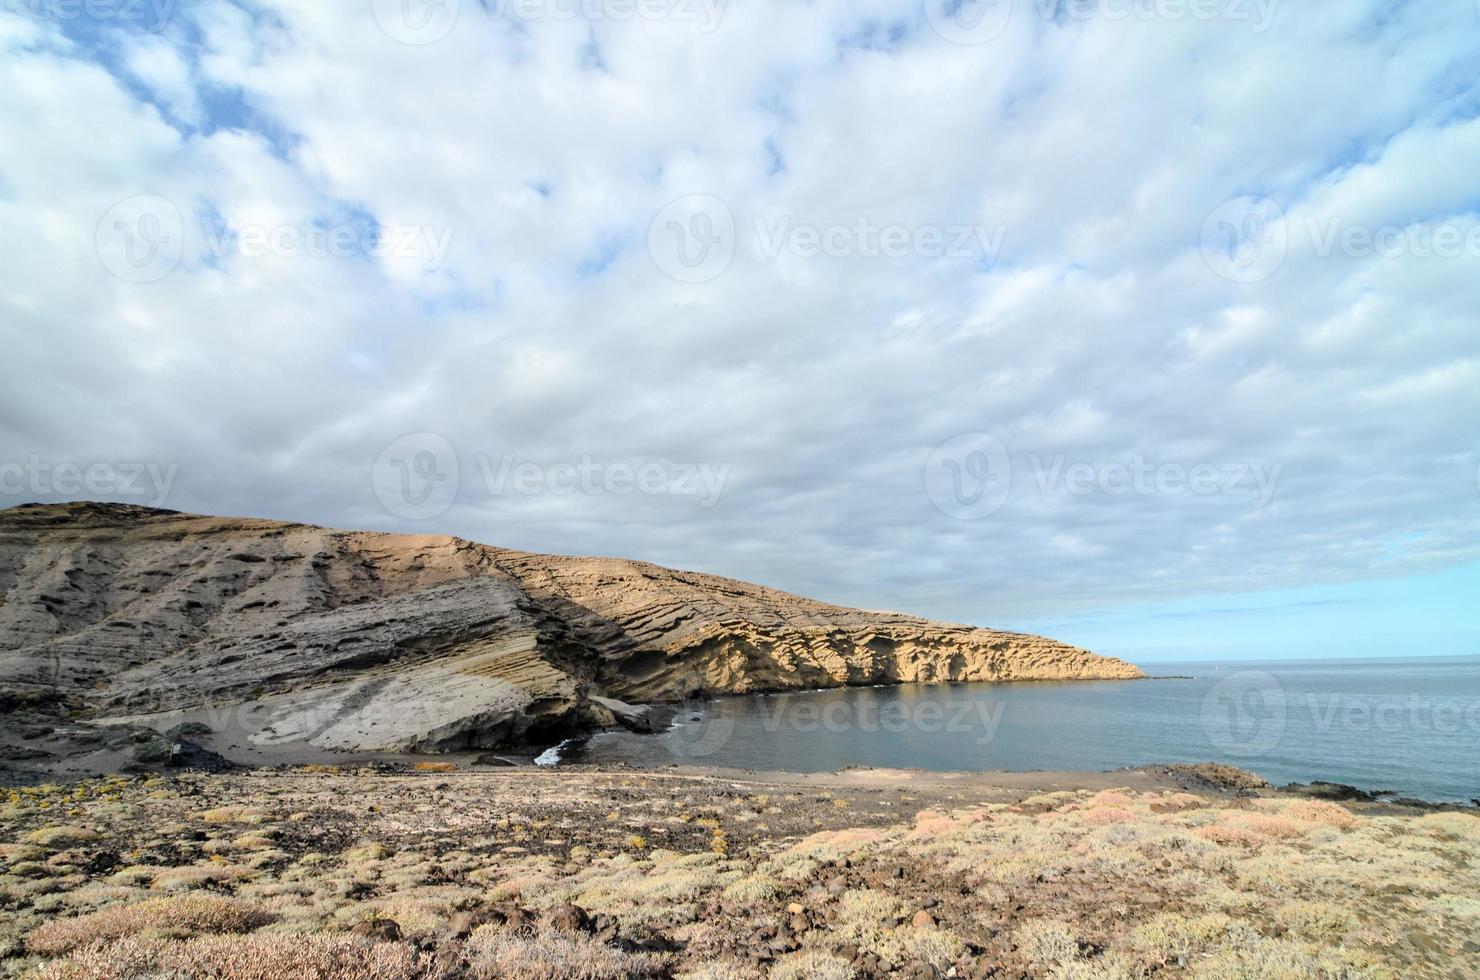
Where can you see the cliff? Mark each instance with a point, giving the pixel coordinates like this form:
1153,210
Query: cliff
342,640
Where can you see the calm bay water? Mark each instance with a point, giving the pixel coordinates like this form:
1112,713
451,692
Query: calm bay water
1407,725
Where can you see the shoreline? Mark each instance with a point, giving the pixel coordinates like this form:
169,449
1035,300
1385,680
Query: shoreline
1212,777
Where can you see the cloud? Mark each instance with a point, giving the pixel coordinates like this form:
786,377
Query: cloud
378,239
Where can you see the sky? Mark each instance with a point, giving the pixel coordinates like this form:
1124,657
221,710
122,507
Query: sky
1150,324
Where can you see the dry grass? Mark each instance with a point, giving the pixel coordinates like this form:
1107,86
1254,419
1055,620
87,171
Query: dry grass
495,954
245,958
812,965
56,838
235,814
183,916
1063,885
1321,812
1046,942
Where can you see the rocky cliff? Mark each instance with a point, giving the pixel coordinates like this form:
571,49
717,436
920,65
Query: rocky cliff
278,634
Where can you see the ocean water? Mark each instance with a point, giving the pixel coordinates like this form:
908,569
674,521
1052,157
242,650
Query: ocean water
1410,726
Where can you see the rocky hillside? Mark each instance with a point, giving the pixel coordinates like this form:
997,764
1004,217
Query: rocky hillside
289,635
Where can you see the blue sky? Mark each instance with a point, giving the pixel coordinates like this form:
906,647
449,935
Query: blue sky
1148,326
1420,616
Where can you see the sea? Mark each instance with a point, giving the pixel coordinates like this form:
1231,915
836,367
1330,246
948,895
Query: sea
1405,726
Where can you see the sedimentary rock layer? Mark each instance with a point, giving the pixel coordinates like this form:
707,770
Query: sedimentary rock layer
390,642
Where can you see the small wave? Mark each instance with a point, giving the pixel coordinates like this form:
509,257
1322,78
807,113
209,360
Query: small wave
551,756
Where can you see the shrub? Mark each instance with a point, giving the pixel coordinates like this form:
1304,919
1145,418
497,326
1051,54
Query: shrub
185,915
235,814
751,890
937,947
435,767
1046,942
721,970
1111,966
812,965
1110,797
1273,959
1169,937
260,957
1321,812
1323,922
1234,836
1450,824
56,838
549,955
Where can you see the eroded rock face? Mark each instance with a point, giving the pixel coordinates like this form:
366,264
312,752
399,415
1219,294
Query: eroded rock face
345,640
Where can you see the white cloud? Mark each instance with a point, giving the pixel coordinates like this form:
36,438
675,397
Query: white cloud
545,149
